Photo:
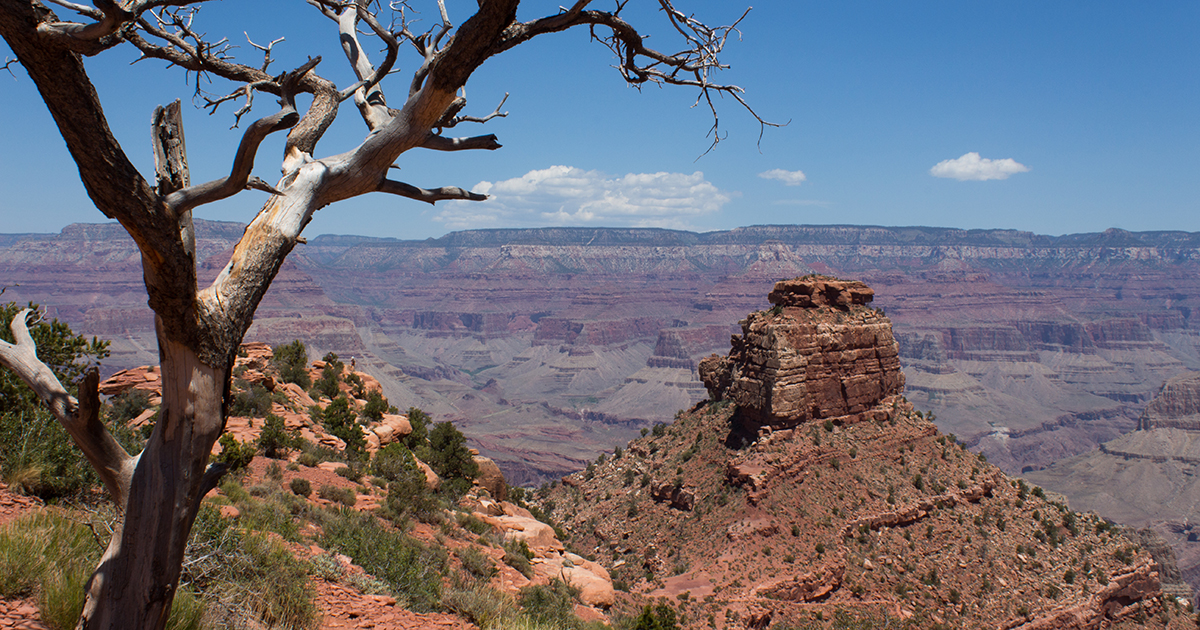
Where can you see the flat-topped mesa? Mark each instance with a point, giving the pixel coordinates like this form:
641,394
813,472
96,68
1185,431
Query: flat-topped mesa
1176,406
820,353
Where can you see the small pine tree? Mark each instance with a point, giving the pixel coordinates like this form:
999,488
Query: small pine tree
274,439
234,454
419,420
450,458
342,422
291,361
376,406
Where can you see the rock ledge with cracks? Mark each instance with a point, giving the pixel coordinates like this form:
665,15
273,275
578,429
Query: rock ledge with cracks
819,353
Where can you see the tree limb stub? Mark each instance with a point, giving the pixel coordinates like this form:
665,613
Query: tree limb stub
428,195
442,143
81,418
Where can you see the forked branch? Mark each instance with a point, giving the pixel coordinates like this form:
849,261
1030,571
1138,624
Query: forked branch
243,161
81,418
367,94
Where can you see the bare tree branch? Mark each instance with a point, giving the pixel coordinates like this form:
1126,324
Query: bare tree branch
255,183
640,64
442,143
81,418
171,165
303,137
426,195
93,13
451,118
243,162
113,15
367,94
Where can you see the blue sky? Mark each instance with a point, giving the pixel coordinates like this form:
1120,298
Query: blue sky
1048,117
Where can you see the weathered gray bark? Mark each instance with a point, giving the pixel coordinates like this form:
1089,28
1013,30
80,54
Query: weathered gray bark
199,329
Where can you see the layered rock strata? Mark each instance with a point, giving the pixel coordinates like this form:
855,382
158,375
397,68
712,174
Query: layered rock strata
1177,405
819,353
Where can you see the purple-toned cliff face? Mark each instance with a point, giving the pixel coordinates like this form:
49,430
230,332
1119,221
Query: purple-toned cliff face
550,345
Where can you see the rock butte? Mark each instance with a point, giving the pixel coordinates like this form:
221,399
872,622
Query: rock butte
820,353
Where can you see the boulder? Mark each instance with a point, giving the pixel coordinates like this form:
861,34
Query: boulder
432,481
592,580
490,478
678,497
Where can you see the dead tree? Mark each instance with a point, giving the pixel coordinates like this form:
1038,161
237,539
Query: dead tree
199,328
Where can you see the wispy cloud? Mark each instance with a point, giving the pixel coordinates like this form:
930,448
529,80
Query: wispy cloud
566,195
802,202
971,167
789,178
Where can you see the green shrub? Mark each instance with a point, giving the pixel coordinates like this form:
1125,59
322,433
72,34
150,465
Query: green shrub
127,405
345,496
551,604
274,472
341,421
301,487
472,524
234,454
291,361
419,420
36,454
331,375
407,493
274,439
517,555
477,563
376,406
249,401
451,459
486,607
358,389
413,570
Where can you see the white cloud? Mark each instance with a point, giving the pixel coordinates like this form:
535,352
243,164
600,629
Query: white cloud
789,178
566,195
971,167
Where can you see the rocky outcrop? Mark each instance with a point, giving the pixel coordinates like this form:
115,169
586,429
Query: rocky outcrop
1176,406
490,478
1125,596
146,379
820,353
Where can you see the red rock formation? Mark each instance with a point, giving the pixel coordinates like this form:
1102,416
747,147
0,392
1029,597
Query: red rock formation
820,353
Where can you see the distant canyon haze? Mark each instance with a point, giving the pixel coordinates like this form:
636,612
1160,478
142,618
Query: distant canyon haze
549,346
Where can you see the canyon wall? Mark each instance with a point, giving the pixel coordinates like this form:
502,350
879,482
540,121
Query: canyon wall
550,345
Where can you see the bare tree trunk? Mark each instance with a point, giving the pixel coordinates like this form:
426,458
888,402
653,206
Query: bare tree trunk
135,583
